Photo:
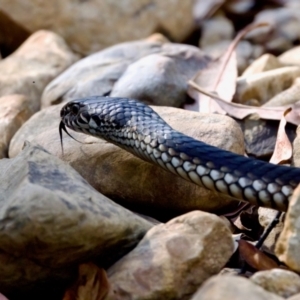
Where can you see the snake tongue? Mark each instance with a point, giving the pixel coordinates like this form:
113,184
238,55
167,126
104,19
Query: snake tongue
62,127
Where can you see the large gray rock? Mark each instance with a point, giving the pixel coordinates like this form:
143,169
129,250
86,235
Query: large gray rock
89,26
154,72
51,219
128,179
172,259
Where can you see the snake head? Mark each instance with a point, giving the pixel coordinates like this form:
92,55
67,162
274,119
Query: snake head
68,113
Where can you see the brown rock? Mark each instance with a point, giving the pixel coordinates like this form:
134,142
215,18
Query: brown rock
287,247
93,25
14,111
154,72
283,283
232,288
254,86
52,219
172,259
28,70
126,178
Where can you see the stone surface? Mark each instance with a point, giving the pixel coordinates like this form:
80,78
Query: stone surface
215,30
296,149
226,287
265,217
14,111
254,86
283,283
28,70
154,72
282,32
51,219
126,178
89,26
287,247
295,297
172,259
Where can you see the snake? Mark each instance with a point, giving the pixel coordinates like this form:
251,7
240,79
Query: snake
138,129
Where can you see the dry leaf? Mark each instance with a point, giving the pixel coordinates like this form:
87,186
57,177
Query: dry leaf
240,111
92,284
255,258
219,76
2,297
283,148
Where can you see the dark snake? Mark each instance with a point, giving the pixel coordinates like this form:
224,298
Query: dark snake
136,128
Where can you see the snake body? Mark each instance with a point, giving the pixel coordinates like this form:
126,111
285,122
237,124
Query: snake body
136,128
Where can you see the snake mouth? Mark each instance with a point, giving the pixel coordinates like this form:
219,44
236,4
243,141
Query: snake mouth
62,127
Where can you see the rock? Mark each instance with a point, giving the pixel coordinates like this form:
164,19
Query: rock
172,259
264,63
290,57
254,86
216,30
239,6
151,71
232,288
287,247
28,70
283,283
160,79
295,297
93,25
265,217
51,220
282,32
296,149
14,111
126,178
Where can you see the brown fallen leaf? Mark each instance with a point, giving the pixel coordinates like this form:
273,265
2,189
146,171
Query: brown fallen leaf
91,284
219,76
240,111
283,148
255,258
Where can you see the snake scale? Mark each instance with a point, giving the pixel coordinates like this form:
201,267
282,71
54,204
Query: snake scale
136,128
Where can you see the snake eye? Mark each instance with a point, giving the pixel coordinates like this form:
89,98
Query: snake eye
75,109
